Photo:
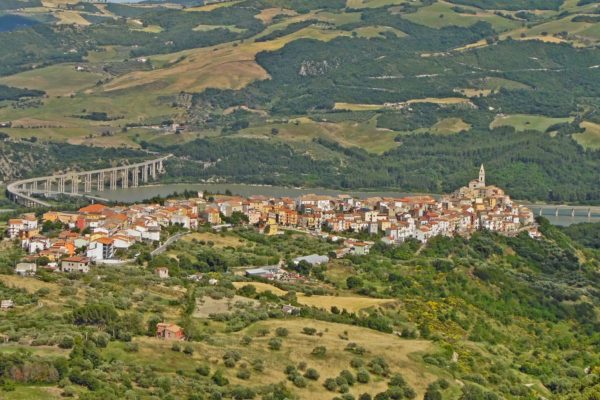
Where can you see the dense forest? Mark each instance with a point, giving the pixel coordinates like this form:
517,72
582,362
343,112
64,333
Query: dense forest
529,165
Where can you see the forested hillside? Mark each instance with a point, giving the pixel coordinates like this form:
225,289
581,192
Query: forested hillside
407,95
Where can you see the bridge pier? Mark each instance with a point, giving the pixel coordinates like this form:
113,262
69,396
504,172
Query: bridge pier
113,180
124,178
153,170
75,184
145,173
556,214
87,185
135,177
100,186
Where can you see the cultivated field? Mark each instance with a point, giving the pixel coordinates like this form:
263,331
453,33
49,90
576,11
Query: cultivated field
522,122
219,241
591,137
348,303
303,130
261,287
56,80
441,14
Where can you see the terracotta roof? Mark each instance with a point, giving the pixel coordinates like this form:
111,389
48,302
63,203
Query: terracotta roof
104,240
92,209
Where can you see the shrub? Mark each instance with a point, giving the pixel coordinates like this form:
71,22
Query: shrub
101,339
290,370
246,341
432,394
330,384
357,363
299,381
258,365
356,349
219,380
203,370
66,342
275,344
244,374
362,376
319,351
379,366
397,380
312,374
348,377
309,331
281,332
344,388
176,347
262,332
188,349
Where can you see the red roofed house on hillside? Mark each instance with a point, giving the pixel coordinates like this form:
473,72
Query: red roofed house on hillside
101,249
169,331
76,264
92,209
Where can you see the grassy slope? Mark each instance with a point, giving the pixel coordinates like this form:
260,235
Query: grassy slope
135,95
590,138
296,347
525,122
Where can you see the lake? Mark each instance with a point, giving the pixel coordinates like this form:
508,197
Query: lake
142,193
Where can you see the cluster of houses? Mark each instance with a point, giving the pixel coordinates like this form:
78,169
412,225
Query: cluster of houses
471,208
96,233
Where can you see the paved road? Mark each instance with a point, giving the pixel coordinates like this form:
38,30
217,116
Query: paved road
168,242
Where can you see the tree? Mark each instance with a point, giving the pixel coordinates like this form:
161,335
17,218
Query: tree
275,343
362,376
354,282
330,384
218,379
312,374
282,332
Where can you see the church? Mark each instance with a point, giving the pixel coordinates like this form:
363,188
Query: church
481,196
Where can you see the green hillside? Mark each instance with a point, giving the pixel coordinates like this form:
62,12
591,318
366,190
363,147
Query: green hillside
396,89
490,317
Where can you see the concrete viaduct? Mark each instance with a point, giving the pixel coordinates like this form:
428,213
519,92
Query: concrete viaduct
83,183
564,210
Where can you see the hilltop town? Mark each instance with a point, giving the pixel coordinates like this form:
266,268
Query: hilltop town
101,234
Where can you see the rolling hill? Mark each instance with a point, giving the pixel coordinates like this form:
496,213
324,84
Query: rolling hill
372,75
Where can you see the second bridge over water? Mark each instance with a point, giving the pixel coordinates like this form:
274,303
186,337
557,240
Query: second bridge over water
565,210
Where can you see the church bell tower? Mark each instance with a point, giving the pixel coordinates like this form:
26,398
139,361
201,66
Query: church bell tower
482,176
